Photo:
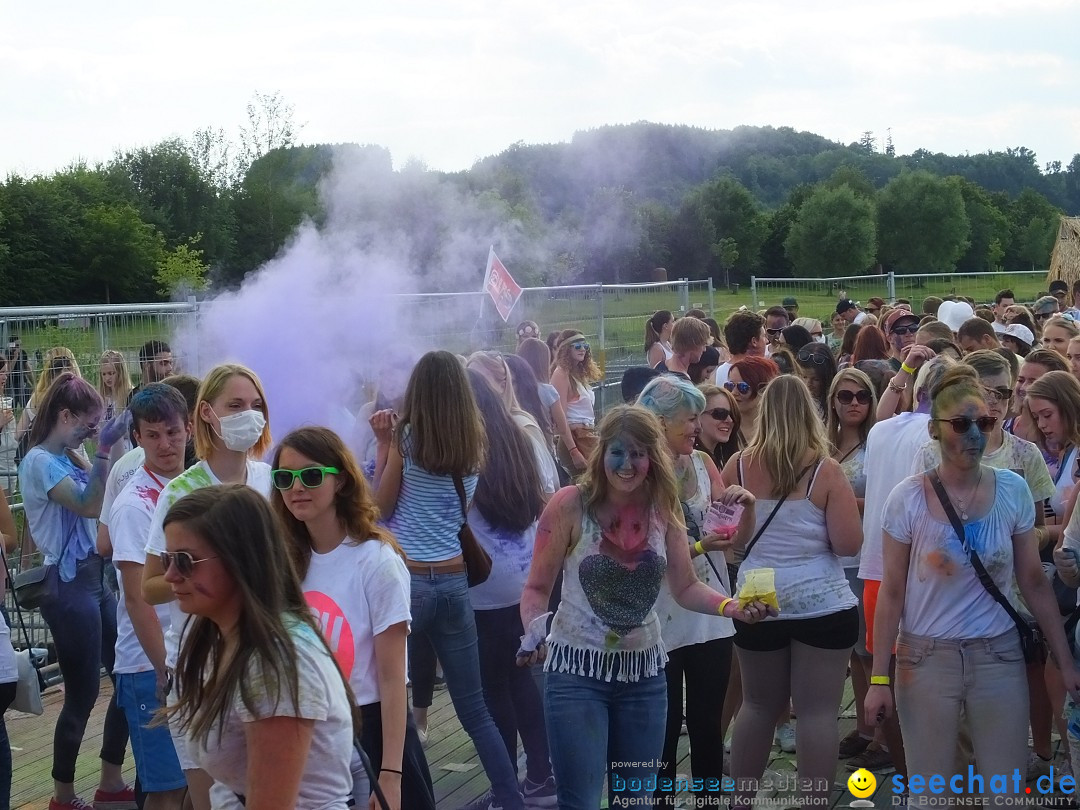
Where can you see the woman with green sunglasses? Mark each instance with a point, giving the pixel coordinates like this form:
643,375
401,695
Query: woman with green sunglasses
355,580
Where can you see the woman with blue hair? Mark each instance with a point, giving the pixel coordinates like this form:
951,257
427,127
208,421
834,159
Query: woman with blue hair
698,647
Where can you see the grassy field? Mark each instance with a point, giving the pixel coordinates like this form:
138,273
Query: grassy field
452,326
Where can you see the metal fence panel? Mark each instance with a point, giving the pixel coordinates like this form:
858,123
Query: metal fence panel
817,297
982,287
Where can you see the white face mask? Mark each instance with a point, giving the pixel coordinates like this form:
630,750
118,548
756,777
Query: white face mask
241,430
819,338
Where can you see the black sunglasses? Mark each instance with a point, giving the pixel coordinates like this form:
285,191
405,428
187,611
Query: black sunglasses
184,562
962,424
846,397
811,357
310,477
910,329
1045,315
721,414
774,332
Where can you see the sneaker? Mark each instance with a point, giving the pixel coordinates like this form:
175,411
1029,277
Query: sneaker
1037,766
539,795
873,759
785,737
485,802
74,804
853,744
115,800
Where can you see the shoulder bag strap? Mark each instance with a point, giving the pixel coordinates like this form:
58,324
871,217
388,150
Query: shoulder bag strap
980,569
459,485
772,514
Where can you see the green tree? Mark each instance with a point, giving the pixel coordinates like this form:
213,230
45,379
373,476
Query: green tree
1033,223
716,210
181,271
834,234
988,231
922,226
120,254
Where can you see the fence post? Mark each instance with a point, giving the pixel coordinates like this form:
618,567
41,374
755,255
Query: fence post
712,303
684,295
102,332
892,287
753,293
600,341
194,362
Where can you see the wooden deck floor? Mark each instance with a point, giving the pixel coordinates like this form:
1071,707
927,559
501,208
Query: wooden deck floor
455,768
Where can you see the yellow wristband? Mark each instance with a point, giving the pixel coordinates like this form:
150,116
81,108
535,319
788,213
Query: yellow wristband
880,680
724,604
700,549
907,368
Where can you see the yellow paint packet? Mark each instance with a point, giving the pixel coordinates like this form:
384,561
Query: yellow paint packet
759,586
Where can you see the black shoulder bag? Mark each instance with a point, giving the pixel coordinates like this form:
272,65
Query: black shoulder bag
1029,639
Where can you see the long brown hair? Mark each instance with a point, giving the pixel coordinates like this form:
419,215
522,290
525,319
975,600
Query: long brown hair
440,420
67,392
584,372
643,427
240,528
354,505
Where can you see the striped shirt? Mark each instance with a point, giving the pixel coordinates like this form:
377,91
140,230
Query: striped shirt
427,516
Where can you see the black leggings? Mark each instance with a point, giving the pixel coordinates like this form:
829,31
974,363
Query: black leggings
510,691
82,620
416,790
706,668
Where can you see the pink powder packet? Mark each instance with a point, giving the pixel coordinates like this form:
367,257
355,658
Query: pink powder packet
722,518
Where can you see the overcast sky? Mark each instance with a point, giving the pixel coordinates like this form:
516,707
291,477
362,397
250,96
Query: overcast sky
451,82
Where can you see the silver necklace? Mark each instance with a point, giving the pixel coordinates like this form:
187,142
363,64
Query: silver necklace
961,503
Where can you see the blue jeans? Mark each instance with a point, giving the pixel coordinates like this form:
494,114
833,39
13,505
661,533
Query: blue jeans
443,615
594,726
82,620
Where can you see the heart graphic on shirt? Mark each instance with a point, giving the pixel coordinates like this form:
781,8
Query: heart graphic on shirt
620,597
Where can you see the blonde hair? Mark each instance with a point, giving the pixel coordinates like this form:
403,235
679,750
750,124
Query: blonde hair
57,360
1062,389
789,427
644,428
212,386
688,334
122,387
832,424
1062,323
809,324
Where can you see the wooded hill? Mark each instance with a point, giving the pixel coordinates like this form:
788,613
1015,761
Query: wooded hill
610,205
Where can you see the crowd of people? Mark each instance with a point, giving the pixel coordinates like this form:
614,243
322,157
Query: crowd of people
275,615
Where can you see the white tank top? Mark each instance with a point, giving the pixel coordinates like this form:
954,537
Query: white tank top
810,580
680,627
580,411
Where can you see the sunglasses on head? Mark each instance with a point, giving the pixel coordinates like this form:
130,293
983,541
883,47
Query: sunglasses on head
811,357
994,395
310,477
579,345
962,424
845,397
910,329
721,414
741,387
184,562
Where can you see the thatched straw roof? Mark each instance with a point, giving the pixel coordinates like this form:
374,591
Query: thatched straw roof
1065,260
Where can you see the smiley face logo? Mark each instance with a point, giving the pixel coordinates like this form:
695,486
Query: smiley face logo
862,783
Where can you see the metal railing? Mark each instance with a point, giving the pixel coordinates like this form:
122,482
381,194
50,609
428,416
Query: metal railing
817,297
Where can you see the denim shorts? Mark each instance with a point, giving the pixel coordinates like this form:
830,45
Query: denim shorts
152,746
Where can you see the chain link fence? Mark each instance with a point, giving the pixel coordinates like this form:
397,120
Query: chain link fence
817,297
